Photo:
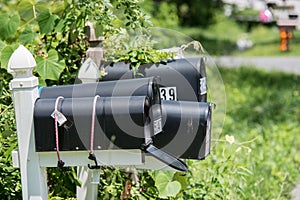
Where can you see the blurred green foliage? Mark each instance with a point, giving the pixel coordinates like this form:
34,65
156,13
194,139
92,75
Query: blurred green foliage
164,13
197,13
172,13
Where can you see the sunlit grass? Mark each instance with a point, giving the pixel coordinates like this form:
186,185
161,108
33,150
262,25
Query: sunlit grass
266,43
257,155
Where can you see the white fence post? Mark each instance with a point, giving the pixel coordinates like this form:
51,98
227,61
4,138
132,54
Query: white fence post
24,88
88,73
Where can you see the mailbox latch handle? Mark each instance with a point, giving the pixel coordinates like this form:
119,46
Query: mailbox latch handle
93,157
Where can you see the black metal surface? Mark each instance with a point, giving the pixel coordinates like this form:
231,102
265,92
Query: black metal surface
131,87
186,129
184,74
122,122
166,158
128,109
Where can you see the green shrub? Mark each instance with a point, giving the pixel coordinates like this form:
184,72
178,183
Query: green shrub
10,186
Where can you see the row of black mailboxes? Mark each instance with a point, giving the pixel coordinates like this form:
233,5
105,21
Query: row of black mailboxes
180,79
129,114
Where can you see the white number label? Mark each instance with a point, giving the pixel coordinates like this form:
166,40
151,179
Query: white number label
168,93
157,126
203,86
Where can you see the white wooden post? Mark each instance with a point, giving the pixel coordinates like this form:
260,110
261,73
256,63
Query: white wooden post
25,91
88,73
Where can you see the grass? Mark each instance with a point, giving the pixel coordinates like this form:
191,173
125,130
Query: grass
220,39
257,155
266,43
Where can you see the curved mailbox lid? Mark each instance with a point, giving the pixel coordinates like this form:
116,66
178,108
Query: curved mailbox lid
129,87
187,75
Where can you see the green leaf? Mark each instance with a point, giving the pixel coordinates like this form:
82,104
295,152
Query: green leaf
46,21
182,179
165,186
9,25
60,25
2,45
1,90
27,35
42,82
26,10
6,53
49,67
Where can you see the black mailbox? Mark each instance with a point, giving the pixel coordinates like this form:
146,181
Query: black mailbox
121,122
186,115
134,112
127,116
131,87
180,79
186,129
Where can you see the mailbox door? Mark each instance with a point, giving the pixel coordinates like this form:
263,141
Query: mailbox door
186,129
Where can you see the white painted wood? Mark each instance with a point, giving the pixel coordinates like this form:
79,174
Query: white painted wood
25,92
89,72
15,159
104,158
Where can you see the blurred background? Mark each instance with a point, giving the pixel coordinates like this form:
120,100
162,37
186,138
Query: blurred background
233,27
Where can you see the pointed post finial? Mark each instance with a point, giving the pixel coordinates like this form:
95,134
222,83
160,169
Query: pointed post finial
89,72
21,62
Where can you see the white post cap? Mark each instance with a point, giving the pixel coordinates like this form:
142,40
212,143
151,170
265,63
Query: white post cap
89,72
21,62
